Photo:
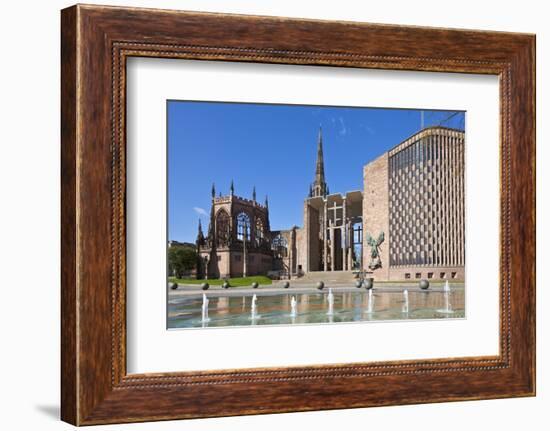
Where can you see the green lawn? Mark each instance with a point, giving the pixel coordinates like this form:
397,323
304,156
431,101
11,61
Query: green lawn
233,282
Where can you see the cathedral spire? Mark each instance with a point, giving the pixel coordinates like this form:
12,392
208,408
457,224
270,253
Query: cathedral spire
232,189
200,235
213,190
200,228
210,224
254,193
319,186
320,167
266,204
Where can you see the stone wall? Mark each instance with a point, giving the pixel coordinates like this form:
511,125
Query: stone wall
301,250
257,264
376,212
225,264
437,273
218,263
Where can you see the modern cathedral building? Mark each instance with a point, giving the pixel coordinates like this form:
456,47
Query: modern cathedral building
406,223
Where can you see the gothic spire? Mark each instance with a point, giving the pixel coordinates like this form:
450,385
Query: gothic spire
210,224
200,228
254,193
213,190
267,227
232,189
319,186
200,235
320,167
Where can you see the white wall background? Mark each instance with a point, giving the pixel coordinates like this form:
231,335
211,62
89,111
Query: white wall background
29,216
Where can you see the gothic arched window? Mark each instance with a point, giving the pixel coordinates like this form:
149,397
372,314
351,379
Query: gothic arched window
279,246
259,231
222,228
243,227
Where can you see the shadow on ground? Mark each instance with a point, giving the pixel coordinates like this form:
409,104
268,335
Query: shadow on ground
49,410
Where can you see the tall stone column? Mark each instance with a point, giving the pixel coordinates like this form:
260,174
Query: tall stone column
344,234
244,252
350,246
325,227
343,245
332,244
293,252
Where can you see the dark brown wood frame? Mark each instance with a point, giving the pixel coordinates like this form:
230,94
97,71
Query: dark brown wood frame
95,43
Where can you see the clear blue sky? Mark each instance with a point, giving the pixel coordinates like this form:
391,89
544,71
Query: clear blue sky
274,147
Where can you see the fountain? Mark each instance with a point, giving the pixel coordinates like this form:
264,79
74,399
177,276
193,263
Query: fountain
235,309
448,308
253,308
205,302
293,305
447,292
330,299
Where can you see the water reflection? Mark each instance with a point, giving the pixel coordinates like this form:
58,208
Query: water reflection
317,307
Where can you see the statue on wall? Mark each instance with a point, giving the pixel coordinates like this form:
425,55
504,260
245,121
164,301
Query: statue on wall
374,244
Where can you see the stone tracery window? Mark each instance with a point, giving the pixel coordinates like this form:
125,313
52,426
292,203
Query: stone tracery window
279,246
222,228
259,231
243,227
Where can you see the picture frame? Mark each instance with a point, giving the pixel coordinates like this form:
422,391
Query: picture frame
96,42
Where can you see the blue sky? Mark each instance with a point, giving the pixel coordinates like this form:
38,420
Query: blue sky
274,148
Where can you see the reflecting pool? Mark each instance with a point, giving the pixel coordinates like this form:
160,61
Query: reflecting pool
226,308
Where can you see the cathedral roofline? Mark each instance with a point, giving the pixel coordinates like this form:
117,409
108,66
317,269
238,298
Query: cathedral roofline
427,131
239,199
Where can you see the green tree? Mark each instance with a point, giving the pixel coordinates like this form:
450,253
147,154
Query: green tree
180,260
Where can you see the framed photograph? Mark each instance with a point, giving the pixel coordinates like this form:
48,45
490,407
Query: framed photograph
400,224
267,215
